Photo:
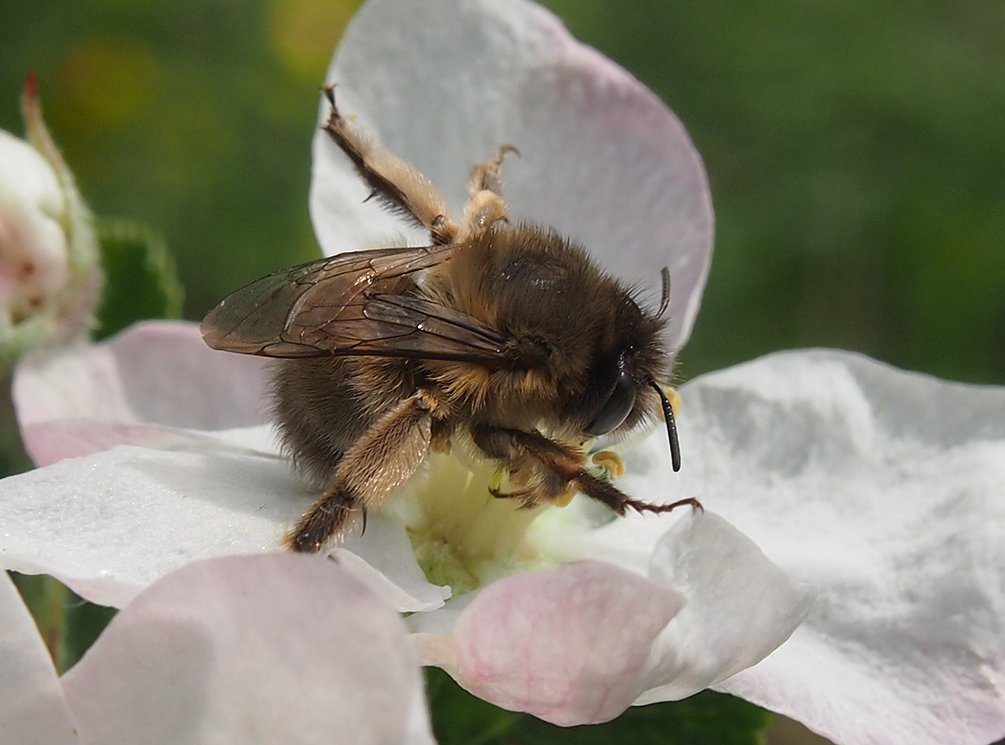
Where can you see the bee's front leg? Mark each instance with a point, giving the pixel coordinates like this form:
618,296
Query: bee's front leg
563,468
376,464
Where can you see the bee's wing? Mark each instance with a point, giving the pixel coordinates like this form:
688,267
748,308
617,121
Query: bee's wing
326,307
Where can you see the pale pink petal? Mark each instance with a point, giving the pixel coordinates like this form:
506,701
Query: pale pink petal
443,83
564,644
53,441
266,649
33,710
138,387
883,490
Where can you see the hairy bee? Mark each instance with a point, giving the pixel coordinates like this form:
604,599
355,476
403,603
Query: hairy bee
505,337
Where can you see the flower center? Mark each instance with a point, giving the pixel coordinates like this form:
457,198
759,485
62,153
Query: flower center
465,537
461,534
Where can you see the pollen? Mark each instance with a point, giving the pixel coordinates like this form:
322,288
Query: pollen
674,398
563,499
611,462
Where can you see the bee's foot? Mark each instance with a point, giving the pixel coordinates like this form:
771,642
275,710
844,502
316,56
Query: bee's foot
659,509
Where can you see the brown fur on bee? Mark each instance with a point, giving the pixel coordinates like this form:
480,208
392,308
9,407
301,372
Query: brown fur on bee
506,334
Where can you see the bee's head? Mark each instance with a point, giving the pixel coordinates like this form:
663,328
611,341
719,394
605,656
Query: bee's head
624,389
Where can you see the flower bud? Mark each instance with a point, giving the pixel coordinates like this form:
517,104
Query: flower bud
50,274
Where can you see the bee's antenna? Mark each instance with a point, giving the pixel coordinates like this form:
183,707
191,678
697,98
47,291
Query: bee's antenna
671,424
665,299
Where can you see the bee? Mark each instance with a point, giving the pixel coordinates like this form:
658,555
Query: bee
502,336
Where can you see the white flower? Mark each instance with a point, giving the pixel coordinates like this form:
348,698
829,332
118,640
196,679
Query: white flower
881,489
49,272
193,483
238,650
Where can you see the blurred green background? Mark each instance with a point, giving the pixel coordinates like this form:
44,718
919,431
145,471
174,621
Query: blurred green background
855,150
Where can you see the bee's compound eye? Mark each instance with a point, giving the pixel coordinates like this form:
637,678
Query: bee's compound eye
617,407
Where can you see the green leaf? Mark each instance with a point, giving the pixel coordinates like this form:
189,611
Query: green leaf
705,718
13,458
458,717
47,601
84,623
462,719
140,277
68,624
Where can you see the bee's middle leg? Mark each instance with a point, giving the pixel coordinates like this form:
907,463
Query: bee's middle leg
485,203
564,470
377,464
394,182
487,176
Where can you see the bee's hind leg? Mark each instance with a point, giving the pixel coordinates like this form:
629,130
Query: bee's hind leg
377,464
395,183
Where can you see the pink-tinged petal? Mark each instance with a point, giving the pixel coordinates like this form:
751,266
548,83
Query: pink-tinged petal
564,644
279,648
33,710
740,607
153,378
444,83
883,490
53,441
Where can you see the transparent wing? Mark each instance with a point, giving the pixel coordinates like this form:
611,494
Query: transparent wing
334,306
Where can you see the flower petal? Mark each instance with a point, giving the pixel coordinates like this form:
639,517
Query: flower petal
564,644
383,557
740,607
139,387
279,648
444,83
109,524
33,710
882,489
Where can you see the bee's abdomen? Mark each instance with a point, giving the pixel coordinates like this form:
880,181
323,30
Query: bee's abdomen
324,405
